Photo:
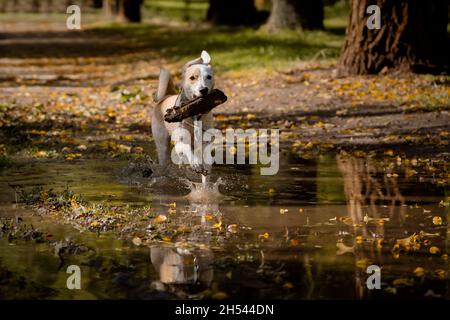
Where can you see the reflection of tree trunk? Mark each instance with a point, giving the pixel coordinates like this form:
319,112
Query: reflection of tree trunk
364,187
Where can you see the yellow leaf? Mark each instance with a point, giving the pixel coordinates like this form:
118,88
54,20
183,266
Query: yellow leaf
437,220
434,250
403,282
217,225
419,271
288,286
160,219
219,295
264,235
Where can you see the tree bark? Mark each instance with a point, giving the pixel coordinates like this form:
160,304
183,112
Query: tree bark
412,37
232,12
296,14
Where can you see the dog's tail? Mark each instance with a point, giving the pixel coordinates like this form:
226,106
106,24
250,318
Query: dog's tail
165,86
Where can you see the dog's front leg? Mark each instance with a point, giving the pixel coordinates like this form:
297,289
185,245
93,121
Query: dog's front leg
186,155
207,123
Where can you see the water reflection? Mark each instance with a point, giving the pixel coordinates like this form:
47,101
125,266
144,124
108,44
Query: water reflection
388,229
189,262
309,232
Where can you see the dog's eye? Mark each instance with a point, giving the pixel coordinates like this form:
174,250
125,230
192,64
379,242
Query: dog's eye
209,77
192,78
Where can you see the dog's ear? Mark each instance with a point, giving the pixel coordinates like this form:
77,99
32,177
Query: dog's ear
206,58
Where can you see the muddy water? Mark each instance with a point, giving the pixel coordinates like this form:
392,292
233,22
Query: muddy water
309,232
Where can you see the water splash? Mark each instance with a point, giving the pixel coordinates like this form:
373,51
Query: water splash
205,191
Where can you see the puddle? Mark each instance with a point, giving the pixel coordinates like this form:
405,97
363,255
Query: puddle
309,232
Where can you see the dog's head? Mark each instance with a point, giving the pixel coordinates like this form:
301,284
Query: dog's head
198,77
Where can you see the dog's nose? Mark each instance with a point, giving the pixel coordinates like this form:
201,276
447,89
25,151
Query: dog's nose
204,91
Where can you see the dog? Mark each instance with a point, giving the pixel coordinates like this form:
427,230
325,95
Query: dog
197,81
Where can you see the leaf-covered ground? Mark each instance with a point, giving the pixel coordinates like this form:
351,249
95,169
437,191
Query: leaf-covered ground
87,94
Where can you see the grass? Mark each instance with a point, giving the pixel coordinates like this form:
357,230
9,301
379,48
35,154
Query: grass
237,48
176,9
231,48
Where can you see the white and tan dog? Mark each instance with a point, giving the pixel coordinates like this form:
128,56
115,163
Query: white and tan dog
197,80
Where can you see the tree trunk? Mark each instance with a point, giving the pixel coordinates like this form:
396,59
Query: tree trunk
107,8
130,10
295,14
412,37
232,12
284,15
311,14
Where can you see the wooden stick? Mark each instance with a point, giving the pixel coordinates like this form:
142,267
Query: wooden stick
195,107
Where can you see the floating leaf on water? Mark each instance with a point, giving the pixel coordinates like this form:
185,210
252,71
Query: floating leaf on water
219,295
403,282
233,228
359,240
440,273
380,243
419,272
411,172
346,220
443,203
407,242
288,286
366,218
437,220
217,225
434,250
264,235
342,248
362,263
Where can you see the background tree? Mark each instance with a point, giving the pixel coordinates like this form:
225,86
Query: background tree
130,10
107,7
232,12
413,36
293,14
